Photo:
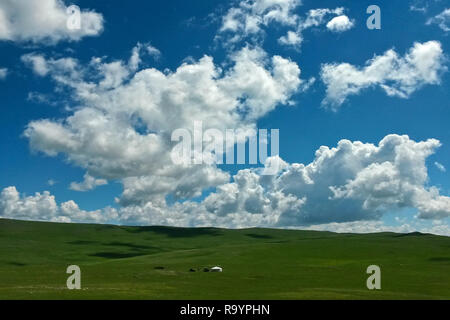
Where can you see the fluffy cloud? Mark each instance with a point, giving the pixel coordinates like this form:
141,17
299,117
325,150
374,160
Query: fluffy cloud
396,179
442,20
42,206
122,129
3,73
89,183
250,16
340,24
44,21
60,68
138,51
315,18
181,183
39,207
37,63
153,51
352,182
291,38
248,21
397,76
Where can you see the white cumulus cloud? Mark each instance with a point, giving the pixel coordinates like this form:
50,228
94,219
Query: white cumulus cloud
398,76
316,18
122,127
250,16
340,24
89,183
43,207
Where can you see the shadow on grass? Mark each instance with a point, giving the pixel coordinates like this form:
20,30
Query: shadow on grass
117,255
412,234
440,259
81,242
174,232
129,245
135,250
259,236
17,264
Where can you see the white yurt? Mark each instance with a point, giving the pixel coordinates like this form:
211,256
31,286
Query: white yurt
216,269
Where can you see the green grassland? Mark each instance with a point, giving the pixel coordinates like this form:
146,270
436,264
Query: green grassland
154,263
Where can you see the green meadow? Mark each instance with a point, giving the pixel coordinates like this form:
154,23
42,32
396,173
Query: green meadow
120,262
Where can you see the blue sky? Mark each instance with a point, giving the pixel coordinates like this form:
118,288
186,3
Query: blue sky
184,32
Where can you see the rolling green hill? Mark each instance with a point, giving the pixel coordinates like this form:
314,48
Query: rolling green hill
154,263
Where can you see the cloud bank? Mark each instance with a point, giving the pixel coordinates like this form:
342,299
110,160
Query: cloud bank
351,185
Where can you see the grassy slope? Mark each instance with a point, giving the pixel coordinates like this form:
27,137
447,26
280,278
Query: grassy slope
119,263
